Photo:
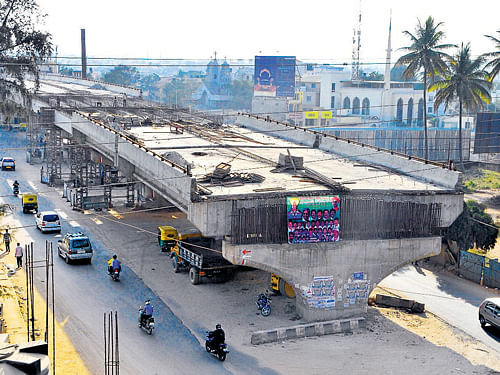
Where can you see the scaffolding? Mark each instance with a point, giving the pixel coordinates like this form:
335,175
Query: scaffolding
54,155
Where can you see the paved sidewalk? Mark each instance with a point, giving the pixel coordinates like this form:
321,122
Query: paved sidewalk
13,297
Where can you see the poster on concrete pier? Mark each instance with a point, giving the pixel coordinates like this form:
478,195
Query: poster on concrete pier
313,219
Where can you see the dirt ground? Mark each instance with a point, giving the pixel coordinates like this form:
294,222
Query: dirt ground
433,329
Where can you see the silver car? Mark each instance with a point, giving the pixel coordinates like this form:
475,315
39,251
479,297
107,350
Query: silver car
489,312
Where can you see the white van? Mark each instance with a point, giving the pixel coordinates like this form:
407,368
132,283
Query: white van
48,221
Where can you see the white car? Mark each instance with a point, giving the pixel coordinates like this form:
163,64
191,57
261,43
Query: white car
48,221
8,163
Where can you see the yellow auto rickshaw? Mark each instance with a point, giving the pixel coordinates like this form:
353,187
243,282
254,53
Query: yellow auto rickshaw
30,203
167,238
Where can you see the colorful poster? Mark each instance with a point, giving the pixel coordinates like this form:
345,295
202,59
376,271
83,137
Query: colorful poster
313,219
274,76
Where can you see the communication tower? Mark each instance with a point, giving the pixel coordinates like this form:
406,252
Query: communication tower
356,46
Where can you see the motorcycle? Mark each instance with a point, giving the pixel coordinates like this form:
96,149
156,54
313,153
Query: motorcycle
115,274
15,190
148,325
264,304
219,352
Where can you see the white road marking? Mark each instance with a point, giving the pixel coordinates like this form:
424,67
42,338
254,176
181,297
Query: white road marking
74,223
61,213
32,185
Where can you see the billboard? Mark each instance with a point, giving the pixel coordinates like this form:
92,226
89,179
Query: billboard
487,131
274,76
313,219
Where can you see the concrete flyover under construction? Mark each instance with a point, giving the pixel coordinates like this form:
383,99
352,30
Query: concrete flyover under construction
254,184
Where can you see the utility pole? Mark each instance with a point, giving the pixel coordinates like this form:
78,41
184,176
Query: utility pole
84,55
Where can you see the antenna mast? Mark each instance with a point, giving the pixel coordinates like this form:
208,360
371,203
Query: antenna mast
356,46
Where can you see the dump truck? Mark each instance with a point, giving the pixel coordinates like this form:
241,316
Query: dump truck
201,256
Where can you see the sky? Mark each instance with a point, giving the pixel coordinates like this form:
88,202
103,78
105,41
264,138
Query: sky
317,30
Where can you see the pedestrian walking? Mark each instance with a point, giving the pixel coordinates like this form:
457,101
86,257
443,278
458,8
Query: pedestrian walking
19,255
6,241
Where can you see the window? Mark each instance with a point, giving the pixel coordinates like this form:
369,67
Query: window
347,103
50,218
332,102
420,115
80,242
313,85
409,112
309,122
355,106
429,110
308,98
399,111
333,86
365,110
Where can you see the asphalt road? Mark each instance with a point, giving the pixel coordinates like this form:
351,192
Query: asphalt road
84,292
453,299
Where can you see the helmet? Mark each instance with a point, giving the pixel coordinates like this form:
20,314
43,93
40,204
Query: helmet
147,302
217,326
114,256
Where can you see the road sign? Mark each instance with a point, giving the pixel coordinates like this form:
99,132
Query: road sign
245,251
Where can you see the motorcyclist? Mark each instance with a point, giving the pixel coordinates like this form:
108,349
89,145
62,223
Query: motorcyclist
114,264
15,185
218,337
146,311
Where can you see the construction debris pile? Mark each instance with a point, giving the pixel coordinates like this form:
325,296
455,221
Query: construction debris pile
222,176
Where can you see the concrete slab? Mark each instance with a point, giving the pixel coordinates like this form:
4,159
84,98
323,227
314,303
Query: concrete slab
307,330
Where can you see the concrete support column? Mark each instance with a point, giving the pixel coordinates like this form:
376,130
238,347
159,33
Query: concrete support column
333,280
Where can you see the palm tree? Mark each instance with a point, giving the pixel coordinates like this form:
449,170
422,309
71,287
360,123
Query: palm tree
425,52
465,81
494,64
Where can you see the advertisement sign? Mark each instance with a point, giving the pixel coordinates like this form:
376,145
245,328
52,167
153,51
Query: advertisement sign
311,115
487,139
326,114
313,219
274,76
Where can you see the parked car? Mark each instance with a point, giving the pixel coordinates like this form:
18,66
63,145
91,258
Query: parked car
48,221
489,312
75,246
8,163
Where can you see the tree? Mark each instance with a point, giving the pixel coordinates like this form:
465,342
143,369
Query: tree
122,75
241,94
425,53
180,91
375,76
465,81
64,70
148,84
494,64
22,46
473,227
